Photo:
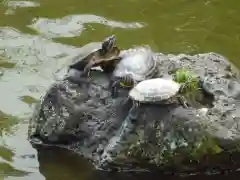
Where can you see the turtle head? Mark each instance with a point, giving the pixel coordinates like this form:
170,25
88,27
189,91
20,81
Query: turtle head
108,43
126,82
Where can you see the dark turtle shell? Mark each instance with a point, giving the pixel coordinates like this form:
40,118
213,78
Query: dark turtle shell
106,57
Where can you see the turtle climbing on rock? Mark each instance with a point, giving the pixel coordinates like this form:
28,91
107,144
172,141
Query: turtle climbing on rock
106,57
135,66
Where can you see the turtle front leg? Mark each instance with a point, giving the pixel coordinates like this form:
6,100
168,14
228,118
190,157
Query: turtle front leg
134,109
108,67
114,85
135,84
87,68
114,89
182,101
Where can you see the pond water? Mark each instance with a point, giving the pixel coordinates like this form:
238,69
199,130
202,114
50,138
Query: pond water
39,37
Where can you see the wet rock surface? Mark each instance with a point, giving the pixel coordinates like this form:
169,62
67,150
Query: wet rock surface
86,119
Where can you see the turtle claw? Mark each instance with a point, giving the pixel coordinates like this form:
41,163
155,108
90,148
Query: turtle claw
114,92
125,100
87,68
133,113
182,100
114,87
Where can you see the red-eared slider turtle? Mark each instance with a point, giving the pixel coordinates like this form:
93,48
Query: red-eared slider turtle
158,90
106,57
135,66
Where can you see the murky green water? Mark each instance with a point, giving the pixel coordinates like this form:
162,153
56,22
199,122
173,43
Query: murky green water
38,37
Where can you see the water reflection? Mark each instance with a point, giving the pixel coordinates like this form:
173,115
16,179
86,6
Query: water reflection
34,61
57,164
13,5
71,26
18,158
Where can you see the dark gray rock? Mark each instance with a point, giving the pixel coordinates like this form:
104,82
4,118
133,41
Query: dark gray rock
81,113
84,118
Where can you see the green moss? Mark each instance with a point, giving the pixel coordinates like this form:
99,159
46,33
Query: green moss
163,155
184,76
194,152
205,146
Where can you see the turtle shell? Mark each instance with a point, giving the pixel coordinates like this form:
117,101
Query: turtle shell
153,90
138,63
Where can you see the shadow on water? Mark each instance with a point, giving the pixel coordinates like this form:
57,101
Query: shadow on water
38,38
60,164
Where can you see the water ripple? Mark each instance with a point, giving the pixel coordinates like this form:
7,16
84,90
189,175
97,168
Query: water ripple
36,60
12,5
15,4
20,160
73,25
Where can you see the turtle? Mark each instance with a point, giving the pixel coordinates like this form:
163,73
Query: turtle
159,91
106,57
155,90
135,66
